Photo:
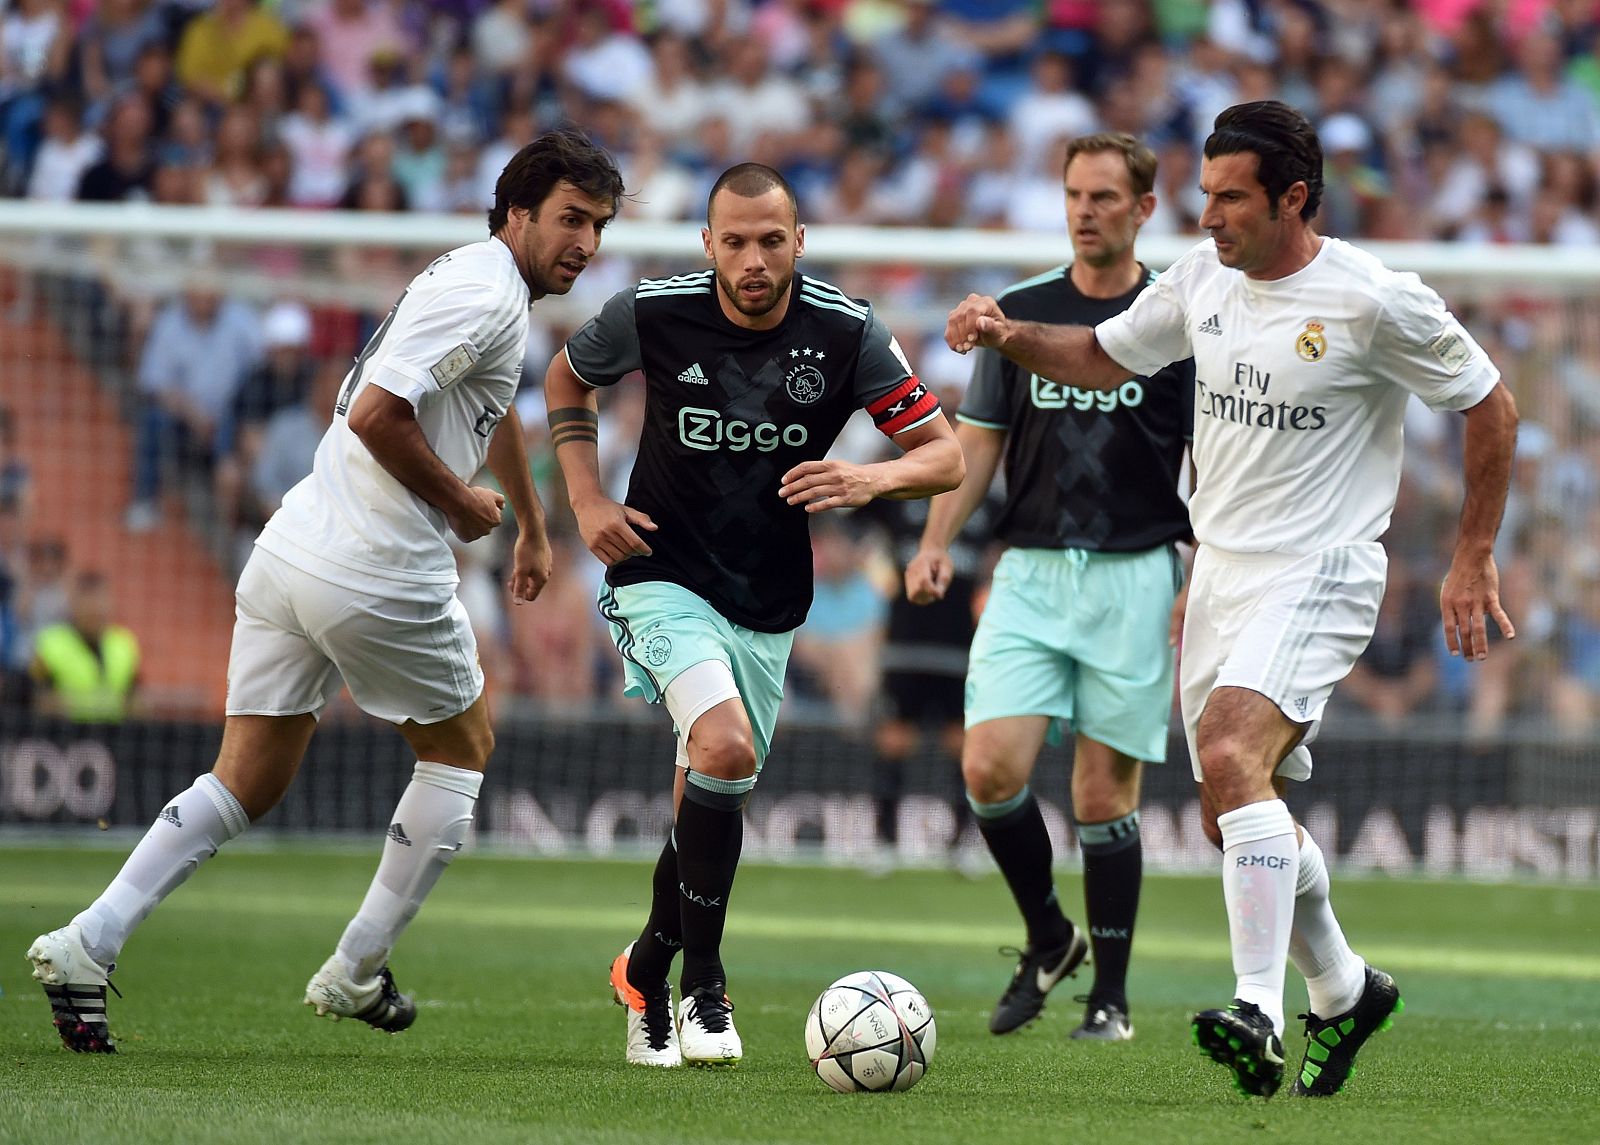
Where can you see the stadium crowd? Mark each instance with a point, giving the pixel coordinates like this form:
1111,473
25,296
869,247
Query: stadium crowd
1471,121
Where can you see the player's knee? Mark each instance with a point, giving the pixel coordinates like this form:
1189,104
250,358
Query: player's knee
726,755
1225,759
987,781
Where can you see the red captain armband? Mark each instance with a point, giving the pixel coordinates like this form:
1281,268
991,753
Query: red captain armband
902,407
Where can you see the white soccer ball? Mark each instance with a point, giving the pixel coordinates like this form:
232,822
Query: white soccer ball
871,1030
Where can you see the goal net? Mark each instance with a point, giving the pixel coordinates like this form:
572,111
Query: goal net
118,499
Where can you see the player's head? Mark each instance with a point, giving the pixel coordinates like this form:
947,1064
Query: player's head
1262,178
550,205
1110,182
753,237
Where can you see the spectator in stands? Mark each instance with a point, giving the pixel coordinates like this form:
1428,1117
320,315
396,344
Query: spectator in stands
303,68
235,178
1537,105
319,147
604,63
86,668
154,84
419,158
837,646
66,152
288,443
916,56
220,43
198,353
1575,698
374,186
34,46
352,34
501,39
1354,191
123,174
1396,675
42,597
111,40
16,478
754,100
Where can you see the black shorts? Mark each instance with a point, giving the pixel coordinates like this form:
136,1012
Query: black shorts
919,698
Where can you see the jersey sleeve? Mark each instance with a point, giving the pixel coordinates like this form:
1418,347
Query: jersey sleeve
886,385
1153,332
431,340
986,402
606,348
1420,345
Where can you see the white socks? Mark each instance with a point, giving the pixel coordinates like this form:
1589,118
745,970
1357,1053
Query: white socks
1260,858
430,824
186,834
1335,975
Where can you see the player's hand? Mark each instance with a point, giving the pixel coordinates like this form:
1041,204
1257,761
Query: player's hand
928,576
531,562
977,321
1469,596
1180,606
478,515
608,528
820,485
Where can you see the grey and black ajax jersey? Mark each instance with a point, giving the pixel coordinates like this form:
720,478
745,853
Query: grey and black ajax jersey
1085,469
728,411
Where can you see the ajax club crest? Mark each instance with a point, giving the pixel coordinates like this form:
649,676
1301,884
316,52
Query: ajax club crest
1312,344
804,383
657,649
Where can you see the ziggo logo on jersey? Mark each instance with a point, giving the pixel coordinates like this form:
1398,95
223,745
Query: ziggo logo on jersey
708,429
1054,395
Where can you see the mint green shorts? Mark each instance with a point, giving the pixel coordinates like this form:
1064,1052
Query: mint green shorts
662,628
1080,637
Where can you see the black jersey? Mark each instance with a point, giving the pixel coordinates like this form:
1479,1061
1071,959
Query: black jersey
728,411
1085,469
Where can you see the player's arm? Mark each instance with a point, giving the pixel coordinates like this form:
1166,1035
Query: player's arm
1471,590
607,528
930,572
1043,348
508,461
387,425
931,463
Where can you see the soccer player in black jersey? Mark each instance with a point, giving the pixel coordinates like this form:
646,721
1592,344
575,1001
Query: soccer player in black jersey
1078,624
751,370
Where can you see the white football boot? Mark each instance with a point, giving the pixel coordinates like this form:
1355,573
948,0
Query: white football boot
76,986
652,1036
378,1003
705,1030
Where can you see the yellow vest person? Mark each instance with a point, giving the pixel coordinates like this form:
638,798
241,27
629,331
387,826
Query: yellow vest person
89,666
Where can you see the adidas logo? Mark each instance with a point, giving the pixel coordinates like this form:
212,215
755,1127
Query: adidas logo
170,815
398,834
693,376
1211,326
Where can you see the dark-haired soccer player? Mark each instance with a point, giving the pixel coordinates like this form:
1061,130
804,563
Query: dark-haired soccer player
352,582
1078,622
751,370
1306,350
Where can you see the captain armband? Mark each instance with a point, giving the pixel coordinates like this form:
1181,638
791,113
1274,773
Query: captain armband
908,404
573,423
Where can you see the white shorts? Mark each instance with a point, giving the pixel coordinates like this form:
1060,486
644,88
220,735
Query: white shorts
1287,627
297,638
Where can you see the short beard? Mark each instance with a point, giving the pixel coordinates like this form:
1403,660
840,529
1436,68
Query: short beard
780,290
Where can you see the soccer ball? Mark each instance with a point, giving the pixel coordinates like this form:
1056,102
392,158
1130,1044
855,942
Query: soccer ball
871,1030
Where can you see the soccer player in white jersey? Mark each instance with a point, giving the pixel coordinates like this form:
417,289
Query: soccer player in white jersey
1306,350
352,581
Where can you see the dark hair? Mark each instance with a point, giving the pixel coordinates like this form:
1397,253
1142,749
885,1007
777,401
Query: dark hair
751,181
1140,159
563,155
1284,143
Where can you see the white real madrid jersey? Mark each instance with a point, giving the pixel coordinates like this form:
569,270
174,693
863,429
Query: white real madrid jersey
452,347
1300,389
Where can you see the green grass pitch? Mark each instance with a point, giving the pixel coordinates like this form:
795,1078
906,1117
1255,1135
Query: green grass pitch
517,1040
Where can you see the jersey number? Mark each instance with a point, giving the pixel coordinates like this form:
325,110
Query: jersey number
342,406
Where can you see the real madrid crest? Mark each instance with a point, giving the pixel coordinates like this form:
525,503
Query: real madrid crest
1312,344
